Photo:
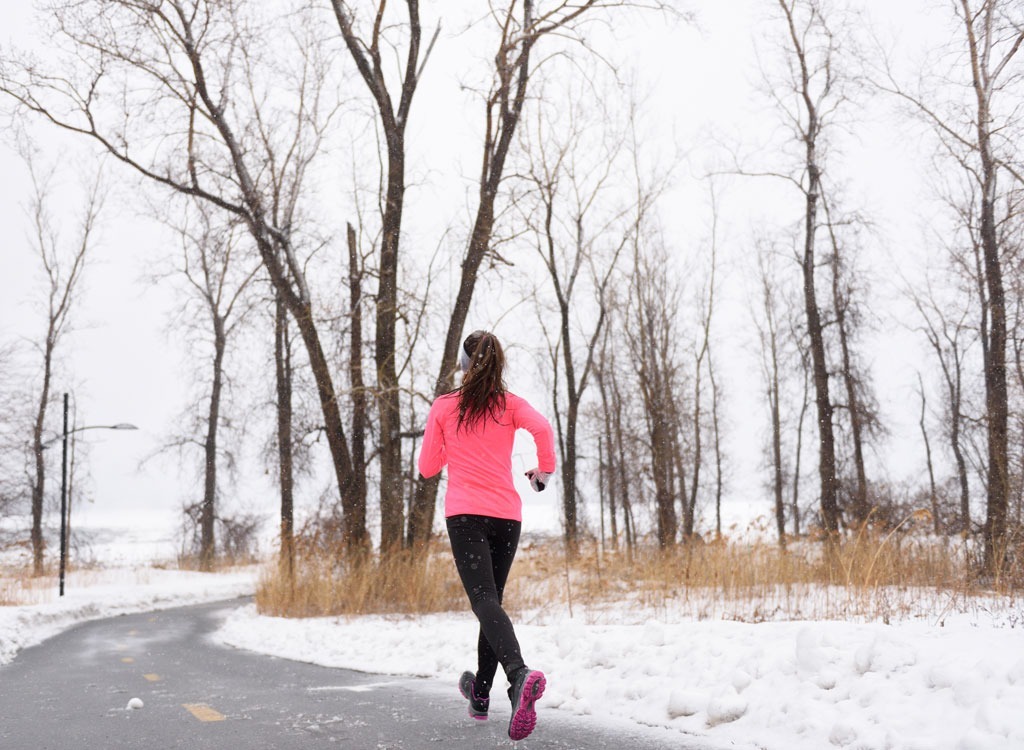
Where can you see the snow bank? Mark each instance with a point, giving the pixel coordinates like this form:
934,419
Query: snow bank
92,595
784,685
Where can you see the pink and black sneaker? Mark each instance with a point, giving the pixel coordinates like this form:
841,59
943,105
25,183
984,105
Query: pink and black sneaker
477,706
527,688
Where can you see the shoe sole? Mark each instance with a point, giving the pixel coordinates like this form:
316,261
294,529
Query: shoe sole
524,719
472,714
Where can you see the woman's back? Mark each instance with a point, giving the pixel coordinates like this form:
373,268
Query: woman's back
479,455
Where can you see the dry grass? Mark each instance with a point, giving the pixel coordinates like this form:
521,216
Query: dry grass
870,577
19,587
330,585
221,563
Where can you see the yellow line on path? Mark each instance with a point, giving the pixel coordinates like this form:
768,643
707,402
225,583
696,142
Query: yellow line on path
203,712
152,677
127,660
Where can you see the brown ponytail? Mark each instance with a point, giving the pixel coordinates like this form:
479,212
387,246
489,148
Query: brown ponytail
482,393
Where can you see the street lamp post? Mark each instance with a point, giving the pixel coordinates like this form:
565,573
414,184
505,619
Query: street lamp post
64,484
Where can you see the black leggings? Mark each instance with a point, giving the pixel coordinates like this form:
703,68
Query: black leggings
484,549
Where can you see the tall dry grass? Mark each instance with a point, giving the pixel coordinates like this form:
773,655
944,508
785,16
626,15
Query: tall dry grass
325,583
868,577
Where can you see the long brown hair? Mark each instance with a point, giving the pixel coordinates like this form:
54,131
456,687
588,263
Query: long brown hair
482,393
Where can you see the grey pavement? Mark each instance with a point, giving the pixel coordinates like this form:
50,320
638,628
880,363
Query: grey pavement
72,693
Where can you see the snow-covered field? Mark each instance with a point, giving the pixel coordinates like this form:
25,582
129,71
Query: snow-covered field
914,685
941,677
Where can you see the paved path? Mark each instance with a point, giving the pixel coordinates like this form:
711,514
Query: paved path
72,693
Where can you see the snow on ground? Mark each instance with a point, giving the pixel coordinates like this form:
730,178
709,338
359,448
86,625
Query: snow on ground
95,593
945,675
957,683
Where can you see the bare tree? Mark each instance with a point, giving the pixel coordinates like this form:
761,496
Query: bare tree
296,425
847,295
701,362
655,301
616,462
716,442
62,265
805,401
579,238
284,388
980,133
393,113
522,25
197,68
950,339
932,492
771,347
356,382
15,454
217,271
809,97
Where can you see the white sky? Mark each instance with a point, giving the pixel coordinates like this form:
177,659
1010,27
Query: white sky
124,367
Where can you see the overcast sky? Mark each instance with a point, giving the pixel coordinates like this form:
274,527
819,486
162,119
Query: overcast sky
124,366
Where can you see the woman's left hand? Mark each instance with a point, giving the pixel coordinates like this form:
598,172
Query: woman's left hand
538,479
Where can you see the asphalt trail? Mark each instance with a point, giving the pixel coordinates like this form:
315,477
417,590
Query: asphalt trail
72,693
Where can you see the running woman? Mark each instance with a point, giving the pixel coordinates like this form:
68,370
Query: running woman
471,430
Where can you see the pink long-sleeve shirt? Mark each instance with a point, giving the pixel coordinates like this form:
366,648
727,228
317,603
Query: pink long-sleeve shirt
479,457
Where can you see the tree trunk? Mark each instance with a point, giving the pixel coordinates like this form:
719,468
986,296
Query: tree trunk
569,510
860,509
355,370
38,487
609,442
208,509
996,398
352,503
717,446
620,461
664,497
961,472
936,523
795,499
776,417
392,510
286,473
826,439
698,457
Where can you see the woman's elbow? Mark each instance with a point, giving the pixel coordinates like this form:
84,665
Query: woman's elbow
429,469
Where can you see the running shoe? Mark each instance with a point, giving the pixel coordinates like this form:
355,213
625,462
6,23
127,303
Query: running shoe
477,706
527,688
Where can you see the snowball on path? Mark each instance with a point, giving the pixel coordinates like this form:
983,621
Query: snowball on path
135,703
